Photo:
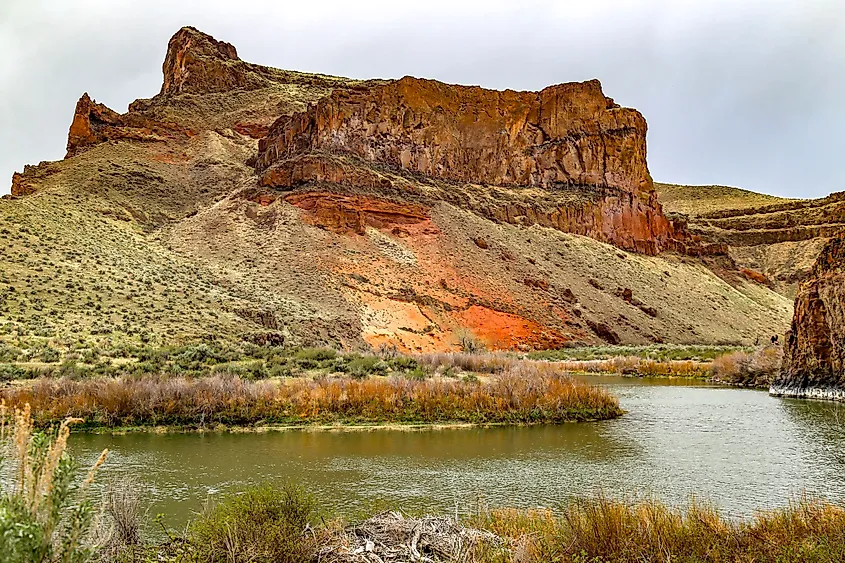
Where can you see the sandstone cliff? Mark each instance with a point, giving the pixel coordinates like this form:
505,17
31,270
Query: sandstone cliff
583,156
814,351
566,134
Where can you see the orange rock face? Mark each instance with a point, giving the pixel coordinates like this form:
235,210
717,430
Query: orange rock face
565,139
94,123
626,220
341,214
569,134
20,185
814,351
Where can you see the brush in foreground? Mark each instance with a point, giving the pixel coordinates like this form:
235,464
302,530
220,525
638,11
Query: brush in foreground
526,393
45,513
284,525
603,530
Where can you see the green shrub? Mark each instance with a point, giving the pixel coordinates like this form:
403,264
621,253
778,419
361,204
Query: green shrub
363,366
9,353
316,354
45,514
281,370
49,355
403,363
417,373
265,524
312,358
8,372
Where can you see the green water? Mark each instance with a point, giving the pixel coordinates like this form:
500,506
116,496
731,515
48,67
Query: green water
741,449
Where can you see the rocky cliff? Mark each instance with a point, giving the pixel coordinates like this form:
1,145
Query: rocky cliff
95,123
568,134
567,141
814,351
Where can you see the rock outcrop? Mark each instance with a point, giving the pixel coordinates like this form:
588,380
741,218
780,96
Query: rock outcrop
814,351
778,238
568,134
198,63
20,185
341,214
95,123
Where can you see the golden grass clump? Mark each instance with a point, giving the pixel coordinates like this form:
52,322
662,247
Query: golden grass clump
526,392
605,530
633,365
751,369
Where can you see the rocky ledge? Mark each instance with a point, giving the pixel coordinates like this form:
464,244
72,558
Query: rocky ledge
814,351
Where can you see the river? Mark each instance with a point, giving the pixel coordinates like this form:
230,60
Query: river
740,449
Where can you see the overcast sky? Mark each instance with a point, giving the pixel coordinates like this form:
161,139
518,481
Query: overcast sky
741,92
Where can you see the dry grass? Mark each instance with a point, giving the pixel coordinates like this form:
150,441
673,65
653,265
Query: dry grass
698,200
490,362
271,524
446,362
602,530
532,392
632,365
748,369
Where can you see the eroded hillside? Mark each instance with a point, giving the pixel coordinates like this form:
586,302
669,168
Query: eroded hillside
249,202
775,237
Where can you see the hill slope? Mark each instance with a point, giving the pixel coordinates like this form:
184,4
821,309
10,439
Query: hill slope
779,238
358,220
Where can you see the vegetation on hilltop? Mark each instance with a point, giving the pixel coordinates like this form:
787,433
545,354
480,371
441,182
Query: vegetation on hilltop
700,200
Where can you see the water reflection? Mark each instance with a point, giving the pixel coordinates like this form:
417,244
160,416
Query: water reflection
741,449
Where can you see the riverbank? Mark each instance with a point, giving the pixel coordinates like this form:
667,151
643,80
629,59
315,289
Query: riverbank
525,393
339,427
286,524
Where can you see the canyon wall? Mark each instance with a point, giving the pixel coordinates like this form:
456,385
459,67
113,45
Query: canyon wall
572,159
814,351
565,134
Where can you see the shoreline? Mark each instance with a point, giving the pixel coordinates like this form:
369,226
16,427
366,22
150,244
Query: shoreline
319,427
710,380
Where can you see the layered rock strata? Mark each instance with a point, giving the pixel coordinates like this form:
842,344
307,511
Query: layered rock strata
95,123
565,134
814,351
565,139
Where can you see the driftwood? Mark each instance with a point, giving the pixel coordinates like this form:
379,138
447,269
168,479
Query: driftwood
392,538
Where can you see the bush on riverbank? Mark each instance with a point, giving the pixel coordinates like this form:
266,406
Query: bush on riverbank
632,365
262,524
657,352
529,392
45,510
748,369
